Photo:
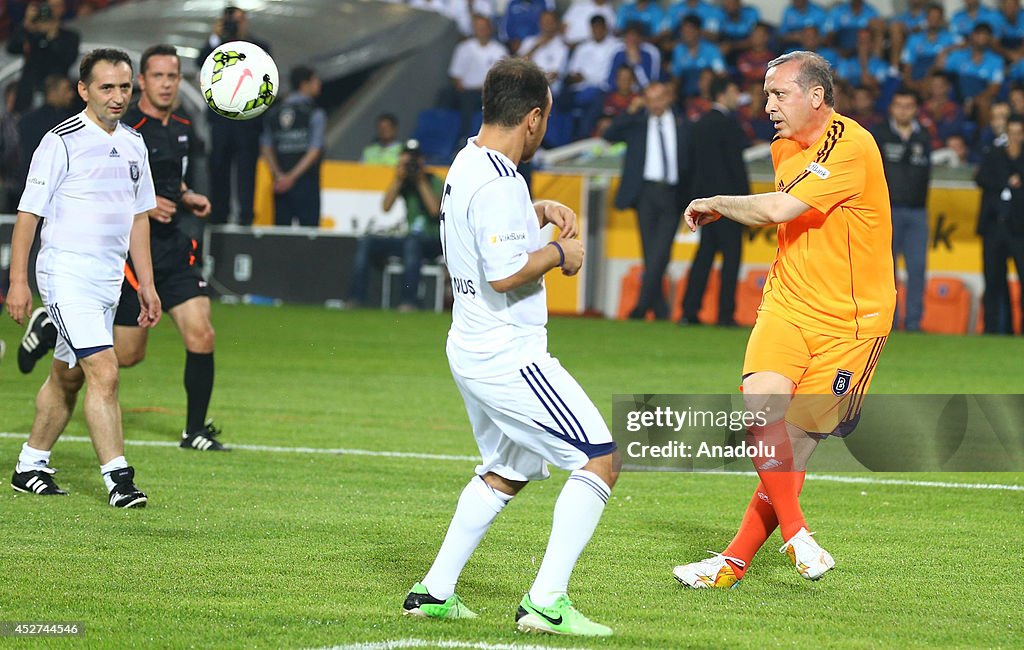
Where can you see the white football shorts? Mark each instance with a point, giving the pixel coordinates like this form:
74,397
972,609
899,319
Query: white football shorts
531,417
81,325
82,311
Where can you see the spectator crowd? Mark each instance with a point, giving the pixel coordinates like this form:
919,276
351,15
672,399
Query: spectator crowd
967,68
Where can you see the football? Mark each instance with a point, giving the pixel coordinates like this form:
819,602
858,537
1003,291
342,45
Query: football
239,80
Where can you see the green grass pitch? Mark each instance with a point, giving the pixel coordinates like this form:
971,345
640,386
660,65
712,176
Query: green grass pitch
274,549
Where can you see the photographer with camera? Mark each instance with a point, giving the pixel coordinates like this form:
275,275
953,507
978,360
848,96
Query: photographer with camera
292,145
421,192
48,49
234,145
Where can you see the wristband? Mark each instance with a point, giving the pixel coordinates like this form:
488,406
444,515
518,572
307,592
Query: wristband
561,253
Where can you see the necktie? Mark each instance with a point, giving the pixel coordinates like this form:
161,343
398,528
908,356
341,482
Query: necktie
664,149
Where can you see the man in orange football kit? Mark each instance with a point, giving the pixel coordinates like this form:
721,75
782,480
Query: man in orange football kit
826,309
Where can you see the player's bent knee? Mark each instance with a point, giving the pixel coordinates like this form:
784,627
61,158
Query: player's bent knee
68,381
607,467
129,358
502,484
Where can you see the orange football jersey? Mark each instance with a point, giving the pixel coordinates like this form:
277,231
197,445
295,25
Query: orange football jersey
833,272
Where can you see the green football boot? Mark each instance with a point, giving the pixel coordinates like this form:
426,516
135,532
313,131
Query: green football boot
560,618
420,603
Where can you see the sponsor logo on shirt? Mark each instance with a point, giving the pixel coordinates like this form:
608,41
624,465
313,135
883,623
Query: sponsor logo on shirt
36,181
507,237
818,170
114,154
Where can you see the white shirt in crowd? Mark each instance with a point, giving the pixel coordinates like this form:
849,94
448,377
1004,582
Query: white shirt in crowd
488,229
577,19
551,57
458,10
471,61
654,165
593,60
87,185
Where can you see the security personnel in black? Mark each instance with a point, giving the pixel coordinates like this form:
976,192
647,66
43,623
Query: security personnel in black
906,155
172,144
292,145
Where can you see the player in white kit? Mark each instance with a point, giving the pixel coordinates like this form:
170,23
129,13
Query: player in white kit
525,409
90,183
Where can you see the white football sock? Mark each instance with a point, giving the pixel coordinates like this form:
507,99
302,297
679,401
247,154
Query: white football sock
478,506
106,469
577,512
31,459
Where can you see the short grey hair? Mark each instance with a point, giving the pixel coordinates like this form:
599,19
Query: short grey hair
814,71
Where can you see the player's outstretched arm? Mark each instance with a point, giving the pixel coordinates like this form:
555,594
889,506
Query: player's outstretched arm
564,253
559,215
138,247
750,210
19,296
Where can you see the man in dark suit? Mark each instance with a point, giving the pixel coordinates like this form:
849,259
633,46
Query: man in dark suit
1001,224
718,142
655,182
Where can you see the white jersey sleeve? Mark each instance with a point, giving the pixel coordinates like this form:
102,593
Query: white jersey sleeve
49,167
496,216
145,195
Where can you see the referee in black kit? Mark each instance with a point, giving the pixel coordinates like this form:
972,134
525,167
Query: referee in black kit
172,143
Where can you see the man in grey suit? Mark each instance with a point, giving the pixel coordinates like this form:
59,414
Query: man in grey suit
655,182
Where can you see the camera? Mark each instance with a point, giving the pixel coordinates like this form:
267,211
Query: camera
45,13
414,165
229,26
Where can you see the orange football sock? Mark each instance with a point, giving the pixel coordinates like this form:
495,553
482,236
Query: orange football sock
779,481
759,522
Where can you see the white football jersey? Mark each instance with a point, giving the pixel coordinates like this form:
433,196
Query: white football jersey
488,229
87,185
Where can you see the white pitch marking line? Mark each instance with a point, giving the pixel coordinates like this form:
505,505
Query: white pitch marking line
829,478
422,643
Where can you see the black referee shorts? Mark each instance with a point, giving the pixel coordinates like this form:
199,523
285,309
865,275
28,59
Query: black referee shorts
175,274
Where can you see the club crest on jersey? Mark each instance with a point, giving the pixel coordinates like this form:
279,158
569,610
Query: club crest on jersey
841,384
818,170
133,170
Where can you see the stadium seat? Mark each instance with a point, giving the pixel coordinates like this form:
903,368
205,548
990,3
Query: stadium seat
748,296
436,130
629,292
559,130
708,313
947,306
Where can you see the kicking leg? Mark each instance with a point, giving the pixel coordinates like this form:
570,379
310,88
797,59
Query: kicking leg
481,501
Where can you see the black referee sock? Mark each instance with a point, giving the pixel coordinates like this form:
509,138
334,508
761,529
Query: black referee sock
198,388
